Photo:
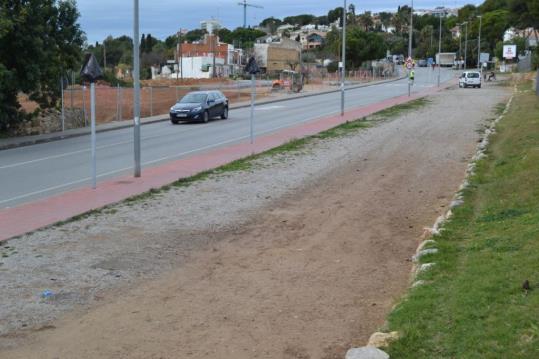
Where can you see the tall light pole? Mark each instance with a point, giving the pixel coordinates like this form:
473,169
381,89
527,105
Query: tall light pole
439,49
343,75
460,47
466,46
136,86
479,44
411,30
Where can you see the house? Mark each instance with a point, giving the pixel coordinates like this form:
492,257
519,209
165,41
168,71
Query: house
530,34
314,41
275,54
286,28
455,32
196,60
209,46
309,39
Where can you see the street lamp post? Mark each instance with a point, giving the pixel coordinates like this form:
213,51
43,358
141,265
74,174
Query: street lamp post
460,46
411,30
136,87
466,46
479,44
343,75
439,49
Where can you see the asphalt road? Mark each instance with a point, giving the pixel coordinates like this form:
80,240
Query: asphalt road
38,171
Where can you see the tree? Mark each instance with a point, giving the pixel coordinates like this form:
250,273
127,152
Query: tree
366,22
351,18
322,20
385,19
150,43
244,38
225,35
142,47
467,12
495,23
195,35
300,20
334,15
40,40
271,24
363,46
524,13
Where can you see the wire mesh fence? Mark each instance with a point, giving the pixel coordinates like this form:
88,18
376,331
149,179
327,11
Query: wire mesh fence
116,103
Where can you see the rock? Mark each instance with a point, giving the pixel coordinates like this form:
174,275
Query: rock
366,353
418,283
425,267
382,340
426,243
424,252
456,203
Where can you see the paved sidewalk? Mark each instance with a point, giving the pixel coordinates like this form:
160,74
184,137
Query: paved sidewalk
45,212
14,142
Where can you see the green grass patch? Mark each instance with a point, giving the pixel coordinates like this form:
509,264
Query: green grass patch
473,305
394,111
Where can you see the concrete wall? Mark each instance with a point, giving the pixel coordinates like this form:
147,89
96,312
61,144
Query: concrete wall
276,56
280,58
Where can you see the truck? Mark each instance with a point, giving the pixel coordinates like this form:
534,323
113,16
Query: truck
446,58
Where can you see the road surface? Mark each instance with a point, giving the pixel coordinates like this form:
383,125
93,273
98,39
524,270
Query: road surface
42,170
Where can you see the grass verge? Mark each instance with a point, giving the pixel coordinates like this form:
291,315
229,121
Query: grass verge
473,304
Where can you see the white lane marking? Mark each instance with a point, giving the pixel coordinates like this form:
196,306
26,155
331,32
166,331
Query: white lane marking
26,195
18,164
267,108
60,186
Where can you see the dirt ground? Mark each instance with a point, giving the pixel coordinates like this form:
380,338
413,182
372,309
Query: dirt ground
309,275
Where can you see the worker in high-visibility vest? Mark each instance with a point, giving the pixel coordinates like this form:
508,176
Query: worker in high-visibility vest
412,76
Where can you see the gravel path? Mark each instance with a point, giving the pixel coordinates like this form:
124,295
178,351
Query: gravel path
382,185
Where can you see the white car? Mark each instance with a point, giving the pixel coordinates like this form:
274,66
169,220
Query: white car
470,79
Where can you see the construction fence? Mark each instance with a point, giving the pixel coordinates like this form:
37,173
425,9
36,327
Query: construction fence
116,103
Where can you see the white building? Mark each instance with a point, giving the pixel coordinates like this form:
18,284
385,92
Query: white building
210,25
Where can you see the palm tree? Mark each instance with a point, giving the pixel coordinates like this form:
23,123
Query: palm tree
386,19
366,21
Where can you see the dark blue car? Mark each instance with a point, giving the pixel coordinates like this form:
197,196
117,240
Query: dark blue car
200,106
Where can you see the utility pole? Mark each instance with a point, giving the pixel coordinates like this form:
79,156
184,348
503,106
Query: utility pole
343,75
466,46
439,50
212,40
104,55
136,87
179,56
411,30
179,44
431,34
479,45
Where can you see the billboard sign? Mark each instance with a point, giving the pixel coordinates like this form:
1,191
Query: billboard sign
509,51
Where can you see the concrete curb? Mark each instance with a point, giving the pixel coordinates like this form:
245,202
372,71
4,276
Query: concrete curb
111,127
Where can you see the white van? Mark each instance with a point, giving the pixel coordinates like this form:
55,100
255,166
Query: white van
470,79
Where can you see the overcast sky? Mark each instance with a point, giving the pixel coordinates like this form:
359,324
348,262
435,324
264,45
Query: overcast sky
100,18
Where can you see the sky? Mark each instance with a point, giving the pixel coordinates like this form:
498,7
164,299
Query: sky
100,18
